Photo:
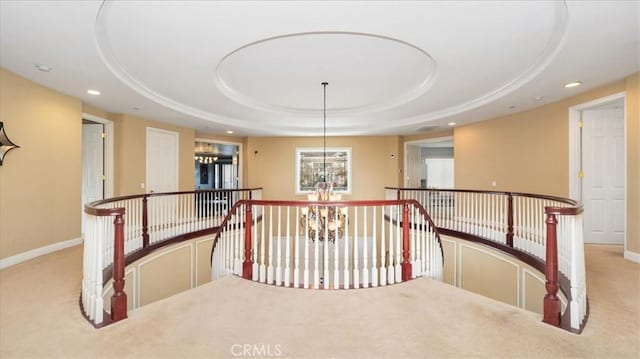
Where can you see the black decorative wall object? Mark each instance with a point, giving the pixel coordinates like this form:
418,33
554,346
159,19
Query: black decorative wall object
5,143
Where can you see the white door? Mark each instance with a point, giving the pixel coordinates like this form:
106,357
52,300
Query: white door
603,164
439,172
92,164
162,161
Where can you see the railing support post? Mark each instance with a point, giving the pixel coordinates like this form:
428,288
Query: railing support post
247,265
510,220
406,264
551,302
145,222
119,298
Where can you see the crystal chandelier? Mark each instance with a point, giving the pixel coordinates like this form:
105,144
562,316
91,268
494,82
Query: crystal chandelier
324,222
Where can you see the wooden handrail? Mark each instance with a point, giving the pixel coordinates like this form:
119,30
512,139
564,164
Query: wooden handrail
555,280
516,194
119,297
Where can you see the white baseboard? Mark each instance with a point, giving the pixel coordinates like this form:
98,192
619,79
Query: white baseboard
632,256
25,256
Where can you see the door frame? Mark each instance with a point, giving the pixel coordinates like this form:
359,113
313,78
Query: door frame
176,135
240,155
426,140
575,149
108,152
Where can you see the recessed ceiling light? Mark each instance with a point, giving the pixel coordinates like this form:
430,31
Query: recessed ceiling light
573,84
452,124
229,132
43,68
93,92
538,98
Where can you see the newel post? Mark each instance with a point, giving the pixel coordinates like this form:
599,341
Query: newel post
406,264
510,220
247,264
145,222
551,302
119,298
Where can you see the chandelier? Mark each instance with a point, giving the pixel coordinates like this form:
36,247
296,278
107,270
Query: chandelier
325,222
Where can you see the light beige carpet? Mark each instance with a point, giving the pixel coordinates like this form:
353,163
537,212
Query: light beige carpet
39,317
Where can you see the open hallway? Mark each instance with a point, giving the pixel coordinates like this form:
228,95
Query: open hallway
39,316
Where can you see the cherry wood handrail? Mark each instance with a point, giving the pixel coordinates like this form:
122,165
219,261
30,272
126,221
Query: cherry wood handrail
117,269
518,194
247,263
554,279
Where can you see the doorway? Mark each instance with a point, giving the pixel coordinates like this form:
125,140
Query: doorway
599,168
429,163
217,164
97,161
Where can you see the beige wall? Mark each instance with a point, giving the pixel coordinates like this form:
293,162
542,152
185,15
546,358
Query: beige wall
523,152
40,182
273,166
529,151
130,154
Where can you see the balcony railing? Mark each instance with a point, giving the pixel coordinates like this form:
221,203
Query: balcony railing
342,244
328,245
543,231
123,229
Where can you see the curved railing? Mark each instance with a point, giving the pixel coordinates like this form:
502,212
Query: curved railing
328,245
283,242
122,229
543,231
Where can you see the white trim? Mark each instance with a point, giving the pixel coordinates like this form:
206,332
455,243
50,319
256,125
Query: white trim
146,174
108,152
240,156
632,256
37,252
575,185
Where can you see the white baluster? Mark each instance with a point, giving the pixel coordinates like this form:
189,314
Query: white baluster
287,269
270,267
296,260
306,250
325,250
365,251
374,254
383,253
391,276
356,270
346,254
398,268
316,272
263,268
279,246
336,247
254,244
